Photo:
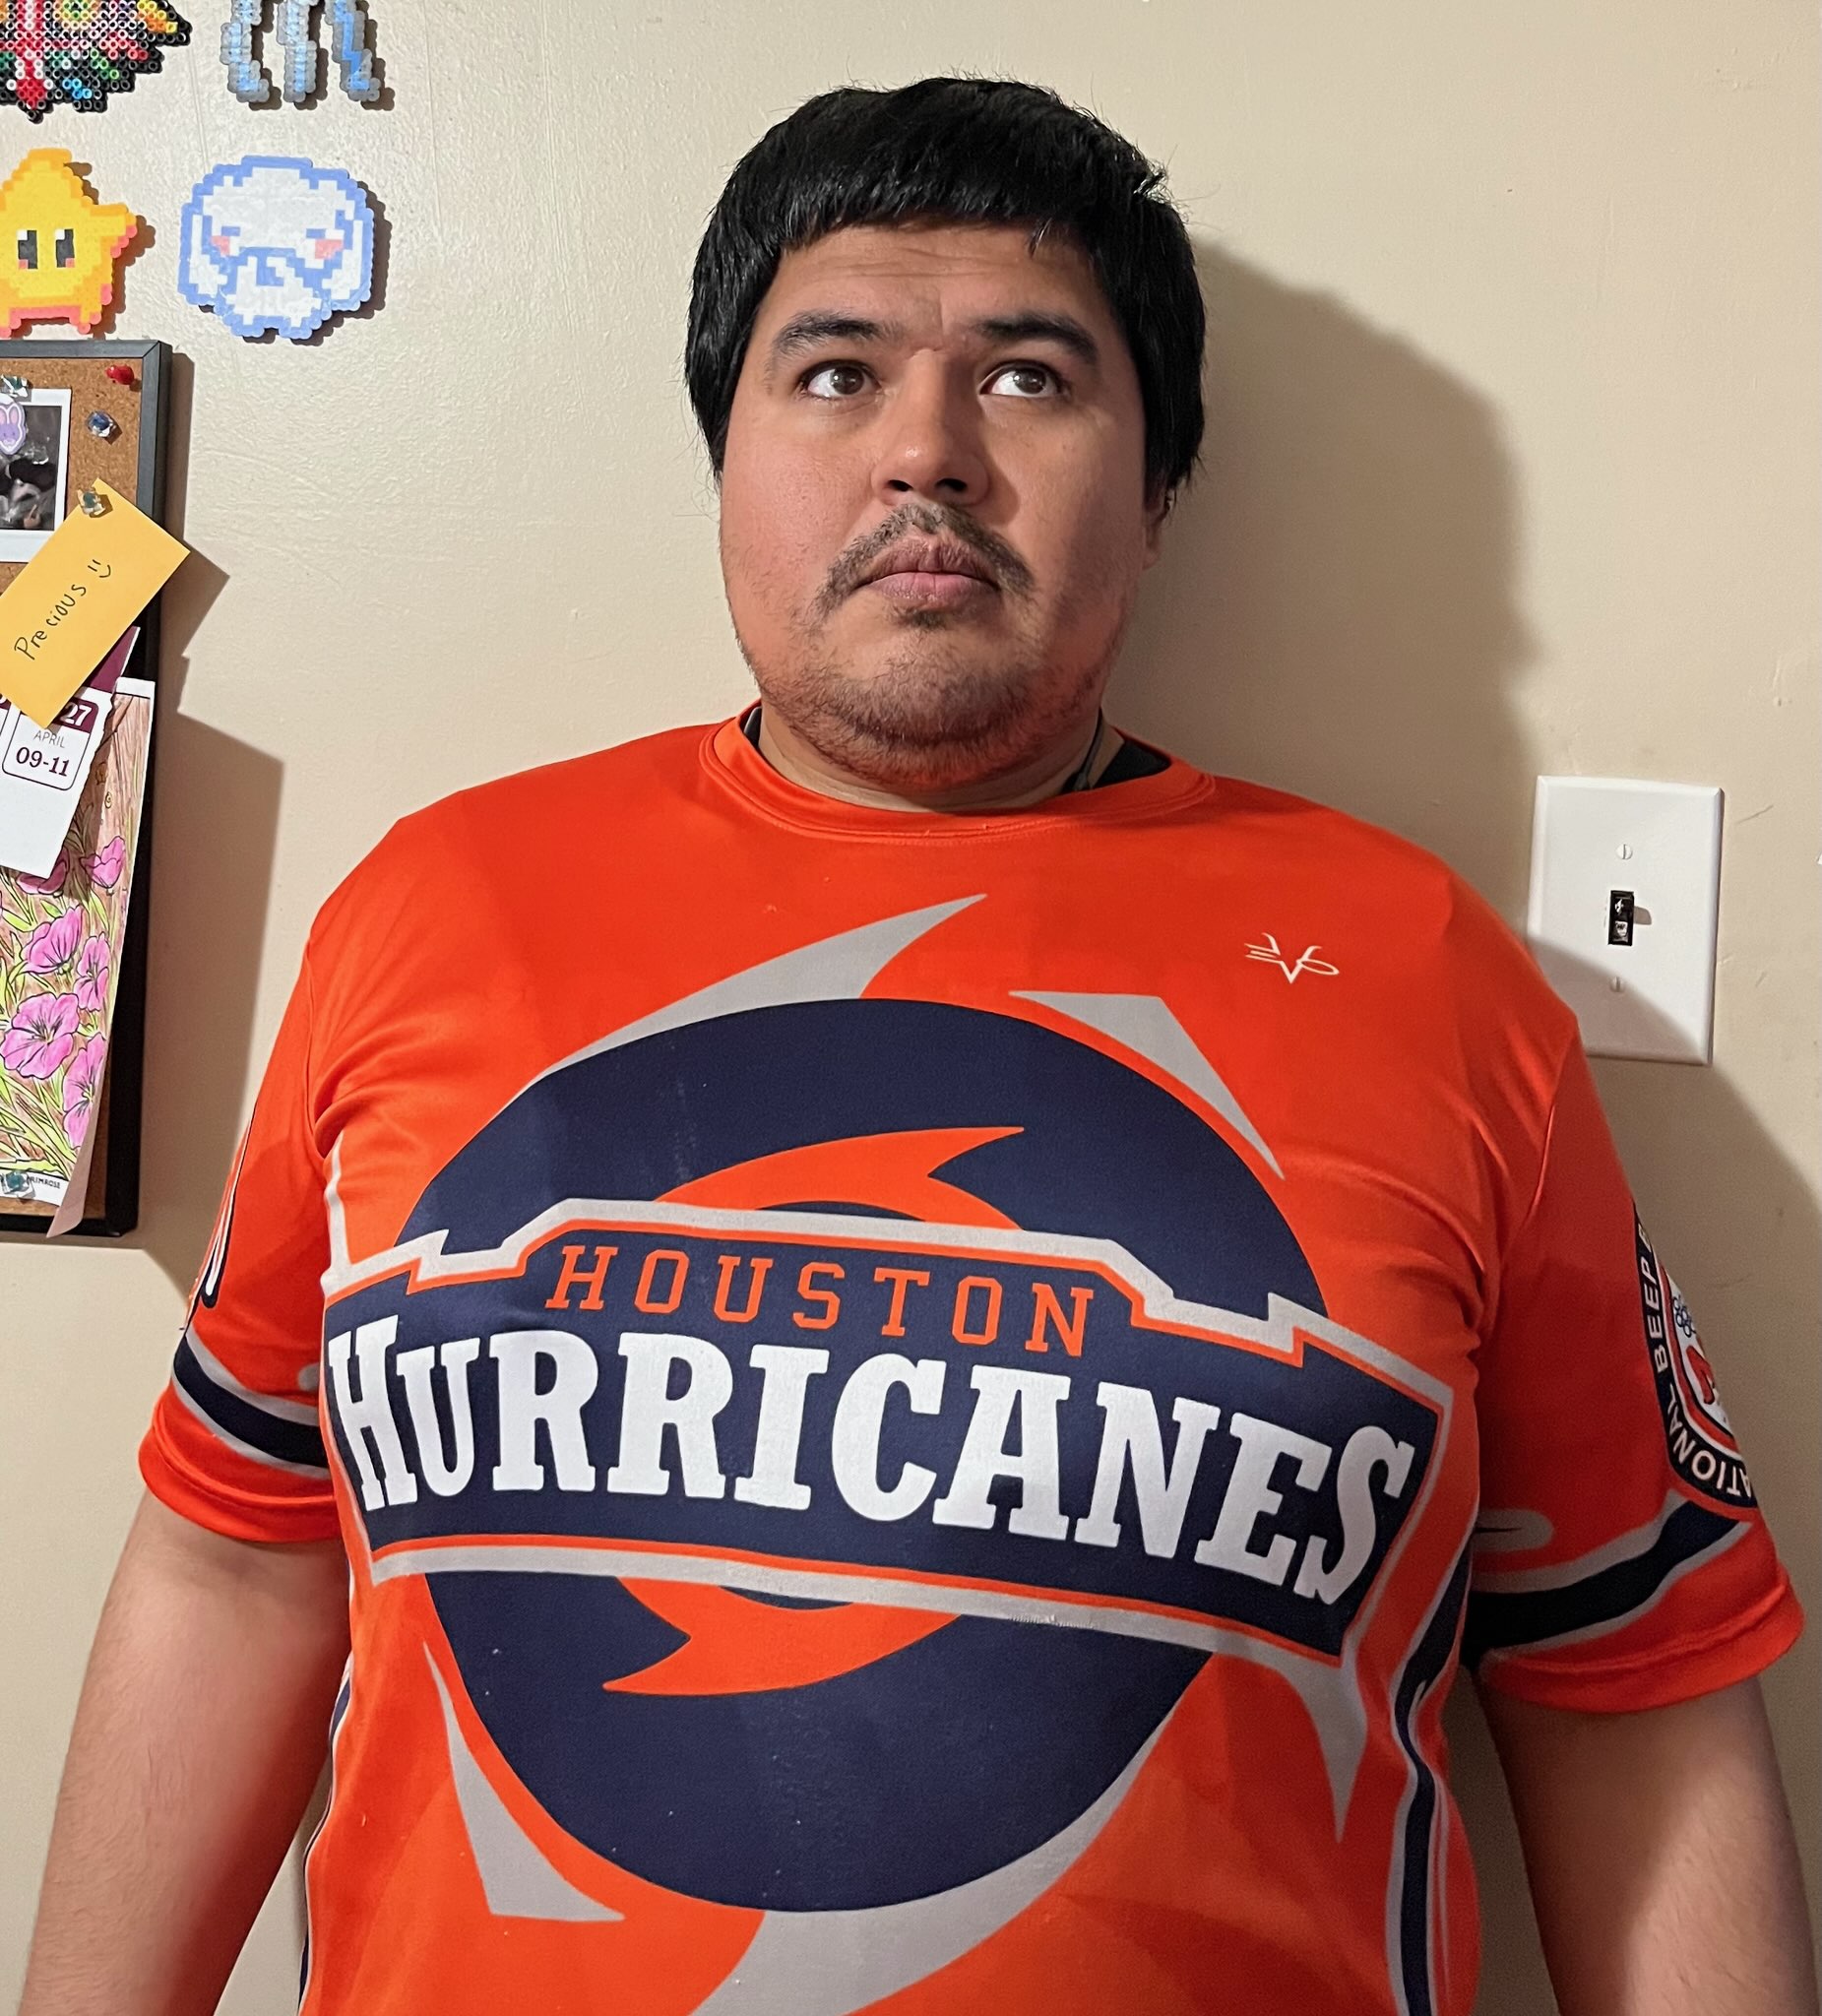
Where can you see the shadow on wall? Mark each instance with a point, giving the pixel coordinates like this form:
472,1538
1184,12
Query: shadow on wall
1336,614
212,841
215,829
1335,609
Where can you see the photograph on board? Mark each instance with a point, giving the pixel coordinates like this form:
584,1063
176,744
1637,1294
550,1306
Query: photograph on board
34,462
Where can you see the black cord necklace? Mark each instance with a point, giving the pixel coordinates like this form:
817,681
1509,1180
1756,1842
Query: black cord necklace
1083,776
1081,779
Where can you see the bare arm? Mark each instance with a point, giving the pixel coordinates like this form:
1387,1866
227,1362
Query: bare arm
198,1740
1660,1856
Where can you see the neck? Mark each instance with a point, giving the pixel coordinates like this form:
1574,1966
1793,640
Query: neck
1029,785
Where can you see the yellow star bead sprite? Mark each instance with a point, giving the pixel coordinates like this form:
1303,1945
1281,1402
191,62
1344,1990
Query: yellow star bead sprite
57,244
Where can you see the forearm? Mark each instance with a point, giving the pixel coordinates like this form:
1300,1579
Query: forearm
198,1740
1660,1856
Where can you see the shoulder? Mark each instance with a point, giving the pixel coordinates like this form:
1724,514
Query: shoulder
1303,836
532,804
1435,1005
449,854
1440,945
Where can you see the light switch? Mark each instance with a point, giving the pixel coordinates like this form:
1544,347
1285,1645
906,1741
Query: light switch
1626,897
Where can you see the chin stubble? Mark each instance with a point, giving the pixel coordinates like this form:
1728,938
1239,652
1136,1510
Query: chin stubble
924,718
912,724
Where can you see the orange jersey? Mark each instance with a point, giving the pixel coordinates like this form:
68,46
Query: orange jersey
924,1407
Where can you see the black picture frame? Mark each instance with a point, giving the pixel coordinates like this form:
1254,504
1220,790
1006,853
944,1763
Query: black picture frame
118,1181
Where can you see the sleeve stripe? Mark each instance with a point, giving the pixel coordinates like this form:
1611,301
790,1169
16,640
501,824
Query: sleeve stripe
241,1448
1493,1580
244,1428
1613,1594
304,1411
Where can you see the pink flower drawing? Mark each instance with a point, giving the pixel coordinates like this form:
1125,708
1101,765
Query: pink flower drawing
47,885
104,868
82,1087
54,944
92,964
41,1035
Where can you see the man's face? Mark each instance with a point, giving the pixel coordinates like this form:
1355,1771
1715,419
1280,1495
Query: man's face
946,404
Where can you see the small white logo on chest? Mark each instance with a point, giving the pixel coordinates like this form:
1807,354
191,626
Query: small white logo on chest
1306,961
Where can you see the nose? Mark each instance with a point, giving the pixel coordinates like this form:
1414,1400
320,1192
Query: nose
931,446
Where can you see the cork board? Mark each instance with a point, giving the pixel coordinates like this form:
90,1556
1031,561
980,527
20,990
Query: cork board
133,463
90,391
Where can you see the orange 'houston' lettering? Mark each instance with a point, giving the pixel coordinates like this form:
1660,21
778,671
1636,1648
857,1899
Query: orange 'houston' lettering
1047,1312
730,1267
969,1285
900,1278
573,1275
647,1274
808,1292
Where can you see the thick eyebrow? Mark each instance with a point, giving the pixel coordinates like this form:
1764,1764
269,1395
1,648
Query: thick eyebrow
1036,327
819,325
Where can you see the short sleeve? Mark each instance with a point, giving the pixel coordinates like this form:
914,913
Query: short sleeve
235,1442
1620,1560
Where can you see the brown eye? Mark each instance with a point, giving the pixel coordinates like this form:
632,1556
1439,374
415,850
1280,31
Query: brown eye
836,381
1023,381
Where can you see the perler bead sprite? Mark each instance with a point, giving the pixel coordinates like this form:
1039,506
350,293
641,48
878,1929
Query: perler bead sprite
57,244
349,33
73,52
273,244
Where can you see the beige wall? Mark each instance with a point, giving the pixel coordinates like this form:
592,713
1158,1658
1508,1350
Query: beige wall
1512,467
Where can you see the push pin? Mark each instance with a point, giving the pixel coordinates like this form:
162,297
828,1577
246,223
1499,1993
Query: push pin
94,503
120,374
102,426
16,387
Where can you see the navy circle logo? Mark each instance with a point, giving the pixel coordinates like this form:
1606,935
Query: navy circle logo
946,1758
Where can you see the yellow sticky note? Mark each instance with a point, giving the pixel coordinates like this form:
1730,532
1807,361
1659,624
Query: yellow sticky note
75,597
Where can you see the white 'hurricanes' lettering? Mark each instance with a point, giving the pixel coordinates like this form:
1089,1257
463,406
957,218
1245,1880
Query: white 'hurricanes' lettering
445,1476
1132,1438
367,1416
526,1402
1251,1498
859,1417
1367,1450
1033,1397
788,1370
551,1408
649,1410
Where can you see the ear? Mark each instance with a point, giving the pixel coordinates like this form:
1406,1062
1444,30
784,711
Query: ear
1157,509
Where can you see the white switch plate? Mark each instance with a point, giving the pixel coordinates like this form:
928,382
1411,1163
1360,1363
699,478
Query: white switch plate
1593,835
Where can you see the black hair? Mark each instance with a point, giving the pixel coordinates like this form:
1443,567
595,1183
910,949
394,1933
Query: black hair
964,151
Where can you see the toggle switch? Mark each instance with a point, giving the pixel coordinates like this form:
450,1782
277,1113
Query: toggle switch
1625,900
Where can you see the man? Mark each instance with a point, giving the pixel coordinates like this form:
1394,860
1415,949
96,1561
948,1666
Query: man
935,1330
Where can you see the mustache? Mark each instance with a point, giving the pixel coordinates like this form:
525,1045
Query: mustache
934,520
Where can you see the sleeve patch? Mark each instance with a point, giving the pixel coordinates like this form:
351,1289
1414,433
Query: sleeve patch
1702,1449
